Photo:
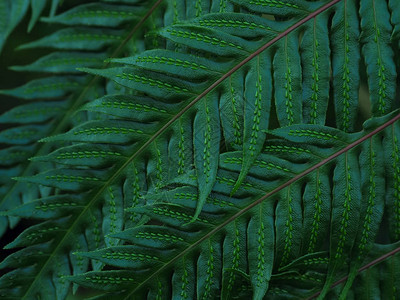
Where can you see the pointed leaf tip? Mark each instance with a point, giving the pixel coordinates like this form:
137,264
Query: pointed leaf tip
91,71
196,215
238,183
86,70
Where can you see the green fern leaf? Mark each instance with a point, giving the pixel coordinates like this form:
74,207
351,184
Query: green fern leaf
69,91
98,14
205,163
381,71
63,62
346,78
95,236
202,240
50,87
78,39
12,13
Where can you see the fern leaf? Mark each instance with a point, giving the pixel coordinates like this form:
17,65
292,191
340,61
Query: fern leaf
371,210
50,87
287,85
346,78
316,70
190,171
37,7
219,211
98,14
207,137
78,39
69,91
279,8
12,13
254,110
95,236
378,57
63,62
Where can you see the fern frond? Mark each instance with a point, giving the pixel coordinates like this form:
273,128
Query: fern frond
114,222
236,235
208,165
55,98
13,11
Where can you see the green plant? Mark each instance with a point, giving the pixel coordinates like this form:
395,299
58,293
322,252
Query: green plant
226,152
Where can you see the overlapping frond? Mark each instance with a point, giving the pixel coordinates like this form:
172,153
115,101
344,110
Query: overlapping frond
52,100
70,93
206,166
13,11
52,109
272,249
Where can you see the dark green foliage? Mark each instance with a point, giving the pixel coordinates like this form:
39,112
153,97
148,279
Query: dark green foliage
145,183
